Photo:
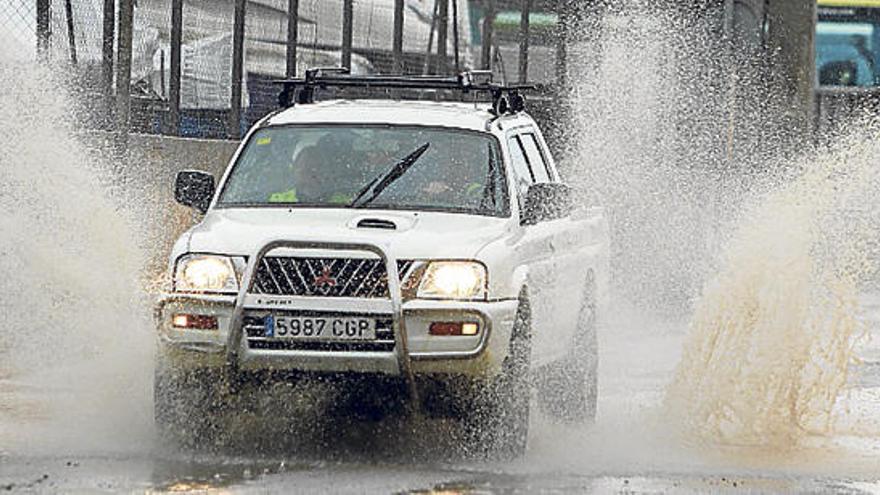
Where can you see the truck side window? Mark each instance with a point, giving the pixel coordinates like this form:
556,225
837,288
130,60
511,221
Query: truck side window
523,176
536,158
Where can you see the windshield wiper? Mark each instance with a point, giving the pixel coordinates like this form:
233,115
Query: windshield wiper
372,190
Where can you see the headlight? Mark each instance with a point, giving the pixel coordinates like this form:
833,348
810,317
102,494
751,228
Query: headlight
454,280
207,273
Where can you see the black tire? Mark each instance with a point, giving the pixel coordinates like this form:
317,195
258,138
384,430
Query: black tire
500,423
570,389
186,407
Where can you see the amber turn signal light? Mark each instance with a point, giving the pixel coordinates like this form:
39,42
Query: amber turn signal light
446,329
194,322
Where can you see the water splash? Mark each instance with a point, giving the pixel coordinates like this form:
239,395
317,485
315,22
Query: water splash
644,144
766,253
74,345
772,336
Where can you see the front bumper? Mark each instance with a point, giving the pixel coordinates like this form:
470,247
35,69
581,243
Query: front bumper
414,350
479,355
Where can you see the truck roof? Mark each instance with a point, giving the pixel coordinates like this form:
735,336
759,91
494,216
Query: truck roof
469,116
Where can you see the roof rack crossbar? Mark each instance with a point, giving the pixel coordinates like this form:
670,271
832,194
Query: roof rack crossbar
505,98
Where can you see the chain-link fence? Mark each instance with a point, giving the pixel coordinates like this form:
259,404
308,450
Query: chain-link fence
436,36
18,24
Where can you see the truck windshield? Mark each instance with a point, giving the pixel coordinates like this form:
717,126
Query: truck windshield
328,166
848,44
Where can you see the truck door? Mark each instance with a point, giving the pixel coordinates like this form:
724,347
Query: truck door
536,251
569,273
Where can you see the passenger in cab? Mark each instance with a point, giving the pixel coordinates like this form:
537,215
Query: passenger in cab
319,173
464,176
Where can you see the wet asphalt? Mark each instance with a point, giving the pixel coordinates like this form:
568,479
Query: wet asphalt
628,450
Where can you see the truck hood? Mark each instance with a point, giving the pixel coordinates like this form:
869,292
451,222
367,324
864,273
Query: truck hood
416,235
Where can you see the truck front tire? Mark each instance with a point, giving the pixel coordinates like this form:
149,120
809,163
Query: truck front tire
499,424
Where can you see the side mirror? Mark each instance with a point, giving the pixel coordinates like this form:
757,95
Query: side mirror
195,189
547,201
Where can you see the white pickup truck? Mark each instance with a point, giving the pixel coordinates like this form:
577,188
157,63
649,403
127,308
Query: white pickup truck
429,243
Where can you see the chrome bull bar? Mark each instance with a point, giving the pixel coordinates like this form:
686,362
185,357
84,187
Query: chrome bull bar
401,348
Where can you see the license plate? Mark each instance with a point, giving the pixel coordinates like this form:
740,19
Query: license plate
320,328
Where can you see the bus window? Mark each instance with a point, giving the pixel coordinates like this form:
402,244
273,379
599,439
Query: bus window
848,45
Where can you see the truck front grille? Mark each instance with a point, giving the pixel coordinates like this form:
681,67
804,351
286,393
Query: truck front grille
325,277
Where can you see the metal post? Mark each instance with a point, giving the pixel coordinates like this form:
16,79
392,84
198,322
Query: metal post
43,15
347,31
426,68
455,36
791,39
234,129
565,20
729,69
174,76
488,21
123,73
71,35
443,37
292,36
397,44
524,22
162,72
107,38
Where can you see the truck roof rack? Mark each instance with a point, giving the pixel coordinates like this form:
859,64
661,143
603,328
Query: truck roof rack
506,99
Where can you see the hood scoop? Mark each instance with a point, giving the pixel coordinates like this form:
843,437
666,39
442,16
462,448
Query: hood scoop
383,222
376,223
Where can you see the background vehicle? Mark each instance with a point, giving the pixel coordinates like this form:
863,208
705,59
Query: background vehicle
847,58
429,245
847,41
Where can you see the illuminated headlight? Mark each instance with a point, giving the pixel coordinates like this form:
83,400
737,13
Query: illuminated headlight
207,273
454,280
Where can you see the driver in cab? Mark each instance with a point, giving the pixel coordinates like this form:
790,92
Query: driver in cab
318,173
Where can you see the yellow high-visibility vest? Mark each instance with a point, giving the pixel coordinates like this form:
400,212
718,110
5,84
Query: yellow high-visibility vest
290,196
284,197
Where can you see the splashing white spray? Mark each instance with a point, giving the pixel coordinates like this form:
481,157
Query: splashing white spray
74,345
771,336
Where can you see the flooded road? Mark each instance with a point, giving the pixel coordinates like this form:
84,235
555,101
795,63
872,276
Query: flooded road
631,448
